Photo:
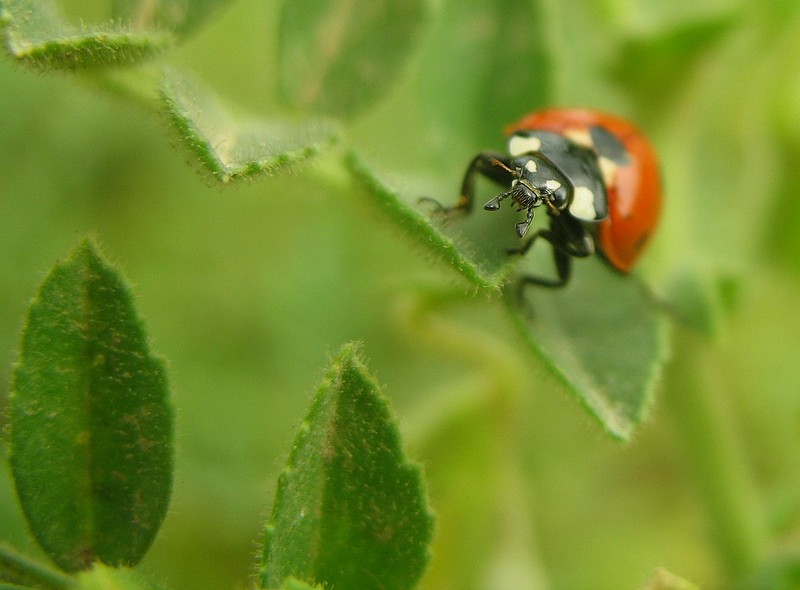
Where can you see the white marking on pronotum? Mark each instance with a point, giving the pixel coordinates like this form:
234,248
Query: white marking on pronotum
552,185
582,206
523,144
530,166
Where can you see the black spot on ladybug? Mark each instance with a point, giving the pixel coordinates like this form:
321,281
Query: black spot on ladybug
608,145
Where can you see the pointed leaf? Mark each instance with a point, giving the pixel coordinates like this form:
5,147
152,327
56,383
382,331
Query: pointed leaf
339,56
459,243
604,336
350,510
90,420
37,35
179,16
231,148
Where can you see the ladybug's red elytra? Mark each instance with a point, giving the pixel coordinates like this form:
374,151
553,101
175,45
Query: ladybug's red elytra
596,175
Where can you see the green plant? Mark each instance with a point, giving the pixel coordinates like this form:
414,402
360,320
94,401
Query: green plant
363,107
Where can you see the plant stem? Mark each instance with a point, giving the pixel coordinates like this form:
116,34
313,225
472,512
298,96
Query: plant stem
494,391
718,465
19,569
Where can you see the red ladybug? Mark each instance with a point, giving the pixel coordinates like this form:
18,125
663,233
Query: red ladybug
596,175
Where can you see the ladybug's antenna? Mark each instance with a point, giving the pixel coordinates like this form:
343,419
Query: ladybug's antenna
496,162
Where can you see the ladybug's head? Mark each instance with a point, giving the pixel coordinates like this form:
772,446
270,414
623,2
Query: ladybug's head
535,181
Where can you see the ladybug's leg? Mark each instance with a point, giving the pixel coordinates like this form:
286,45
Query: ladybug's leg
492,165
561,257
567,240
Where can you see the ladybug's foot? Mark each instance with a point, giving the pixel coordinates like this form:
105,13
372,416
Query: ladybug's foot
436,208
432,204
522,226
494,204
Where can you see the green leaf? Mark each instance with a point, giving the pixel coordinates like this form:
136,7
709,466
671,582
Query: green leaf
37,35
231,147
350,509
484,67
604,336
90,420
461,245
339,56
179,16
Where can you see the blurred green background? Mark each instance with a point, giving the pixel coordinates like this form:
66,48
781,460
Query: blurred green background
246,290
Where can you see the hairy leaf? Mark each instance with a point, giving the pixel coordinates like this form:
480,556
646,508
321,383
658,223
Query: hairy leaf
231,147
350,510
37,35
91,422
604,336
458,242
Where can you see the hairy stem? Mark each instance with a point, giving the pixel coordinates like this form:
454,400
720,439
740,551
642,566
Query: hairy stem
16,568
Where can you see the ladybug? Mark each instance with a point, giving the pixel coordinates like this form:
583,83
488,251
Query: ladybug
596,175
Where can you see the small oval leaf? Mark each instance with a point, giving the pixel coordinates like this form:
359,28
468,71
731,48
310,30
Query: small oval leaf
604,336
37,35
350,511
484,67
338,56
90,420
230,148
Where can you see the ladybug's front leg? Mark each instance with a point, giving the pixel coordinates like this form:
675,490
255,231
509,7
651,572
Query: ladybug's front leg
492,165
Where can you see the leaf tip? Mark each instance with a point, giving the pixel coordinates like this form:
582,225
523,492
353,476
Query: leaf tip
349,503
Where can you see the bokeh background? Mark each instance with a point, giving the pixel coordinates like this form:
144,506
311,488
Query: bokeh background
246,290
